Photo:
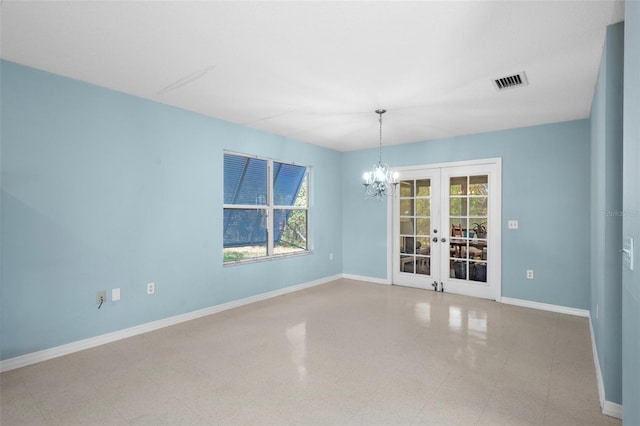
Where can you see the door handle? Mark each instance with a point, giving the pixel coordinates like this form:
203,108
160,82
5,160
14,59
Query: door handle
444,240
435,239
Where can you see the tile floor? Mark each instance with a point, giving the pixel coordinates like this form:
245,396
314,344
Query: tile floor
346,352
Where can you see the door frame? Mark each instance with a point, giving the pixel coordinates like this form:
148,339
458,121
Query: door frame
496,266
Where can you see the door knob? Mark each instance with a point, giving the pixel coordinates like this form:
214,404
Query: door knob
444,240
435,239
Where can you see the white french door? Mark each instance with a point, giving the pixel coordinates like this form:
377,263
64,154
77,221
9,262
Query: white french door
446,228
416,228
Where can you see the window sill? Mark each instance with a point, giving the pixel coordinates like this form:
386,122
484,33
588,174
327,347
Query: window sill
266,258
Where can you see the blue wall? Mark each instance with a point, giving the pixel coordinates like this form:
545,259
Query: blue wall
606,202
545,187
102,190
631,219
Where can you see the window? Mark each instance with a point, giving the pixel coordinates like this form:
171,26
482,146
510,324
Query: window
266,208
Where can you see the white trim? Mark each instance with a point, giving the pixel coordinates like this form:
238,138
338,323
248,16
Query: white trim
494,160
596,361
367,279
612,409
69,348
545,307
390,224
608,408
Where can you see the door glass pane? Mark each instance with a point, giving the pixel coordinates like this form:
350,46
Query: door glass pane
423,246
407,264
406,226
406,188
458,248
407,236
477,250
478,206
458,206
458,186
478,271
415,223
468,218
410,245
458,269
423,265
423,188
458,226
406,207
478,227
423,226
423,207
479,185
423,258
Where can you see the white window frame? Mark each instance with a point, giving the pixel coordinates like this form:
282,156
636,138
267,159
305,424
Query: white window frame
269,208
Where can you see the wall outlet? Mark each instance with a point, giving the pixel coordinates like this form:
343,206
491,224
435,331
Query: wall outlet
101,297
529,274
512,224
151,288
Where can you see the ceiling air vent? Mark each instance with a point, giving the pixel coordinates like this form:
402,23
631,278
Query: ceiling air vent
511,81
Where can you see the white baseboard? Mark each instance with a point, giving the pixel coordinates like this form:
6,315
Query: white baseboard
609,408
367,279
545,307
46,354
612,409
596,361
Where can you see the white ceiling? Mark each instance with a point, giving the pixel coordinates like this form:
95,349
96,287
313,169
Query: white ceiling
316,70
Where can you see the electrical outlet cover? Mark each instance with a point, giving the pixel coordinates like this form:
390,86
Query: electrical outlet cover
151,288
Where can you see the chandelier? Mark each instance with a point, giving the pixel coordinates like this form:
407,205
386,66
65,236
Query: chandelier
380,182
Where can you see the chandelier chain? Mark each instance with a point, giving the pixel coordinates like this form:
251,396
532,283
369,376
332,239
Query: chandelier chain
380,112
380,146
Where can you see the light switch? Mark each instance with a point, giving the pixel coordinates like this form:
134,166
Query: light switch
627,252
115,294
